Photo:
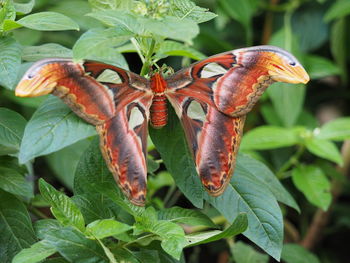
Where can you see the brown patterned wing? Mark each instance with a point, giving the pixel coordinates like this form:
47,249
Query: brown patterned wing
213,139
212,97
116,101
124,147
234,81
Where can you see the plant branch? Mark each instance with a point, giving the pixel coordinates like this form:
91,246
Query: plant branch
138,49
148,61
292,161
37,212
267,31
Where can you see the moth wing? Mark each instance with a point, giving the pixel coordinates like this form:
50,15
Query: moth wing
116,101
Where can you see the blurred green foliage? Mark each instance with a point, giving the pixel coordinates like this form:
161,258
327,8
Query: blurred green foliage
290,192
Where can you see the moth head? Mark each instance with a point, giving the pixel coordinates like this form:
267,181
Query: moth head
281,66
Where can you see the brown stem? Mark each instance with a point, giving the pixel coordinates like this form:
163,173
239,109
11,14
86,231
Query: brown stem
267,31
321,218
291,233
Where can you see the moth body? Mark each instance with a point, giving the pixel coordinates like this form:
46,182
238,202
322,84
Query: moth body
158,110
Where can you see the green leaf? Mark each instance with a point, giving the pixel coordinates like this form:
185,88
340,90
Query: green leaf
120,19
13,182
288,100
243,253
108,252
97,39
10,25
162,179
110,4
24,8
294,253
106,228
309,29
152,165
125,255
171,144
339,46
246,194
65,161
240,10
15,227
250,167
93,178
171,27
7,12
75,247
320,67
76,10
32,103
44,227
93,206
172,235
168,27
270,115
52,127
187,9
314,184
186,216
269,137
10,60
61,206
336,130
238,226
147,256
339,9
36,253
325,149
11,130
48,21
56,260
173,48
35,53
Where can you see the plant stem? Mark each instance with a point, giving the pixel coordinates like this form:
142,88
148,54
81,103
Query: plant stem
267,32
292,161
148,62
38,213
137,240
138,49
288,29
169,193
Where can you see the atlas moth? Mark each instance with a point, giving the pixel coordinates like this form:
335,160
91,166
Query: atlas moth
211,98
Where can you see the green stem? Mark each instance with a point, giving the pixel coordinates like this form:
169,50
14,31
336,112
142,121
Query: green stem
292,161
148,61
169,194
294,4
38,213
249,35
137,240
138,49
288,29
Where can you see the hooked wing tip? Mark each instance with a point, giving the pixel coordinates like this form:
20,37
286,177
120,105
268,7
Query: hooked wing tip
138,201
